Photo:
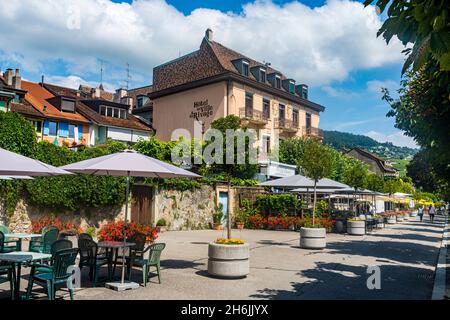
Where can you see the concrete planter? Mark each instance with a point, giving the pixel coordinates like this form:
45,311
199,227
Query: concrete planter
391,220
313,238
228,260
406,216
414,214
357,228
399,218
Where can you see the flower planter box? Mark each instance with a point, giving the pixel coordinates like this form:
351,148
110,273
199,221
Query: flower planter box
313,238
399,218
414,214
391,220
406,216
217,226
357,228
228,260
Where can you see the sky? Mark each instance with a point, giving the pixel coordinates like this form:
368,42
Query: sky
329,45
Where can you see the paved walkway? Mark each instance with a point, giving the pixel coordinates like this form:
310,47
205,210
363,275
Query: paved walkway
406,254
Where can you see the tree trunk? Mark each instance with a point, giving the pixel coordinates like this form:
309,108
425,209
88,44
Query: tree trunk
314,204
229,209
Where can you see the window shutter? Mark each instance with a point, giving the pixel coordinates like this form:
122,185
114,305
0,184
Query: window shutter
63,129
80,132
46,128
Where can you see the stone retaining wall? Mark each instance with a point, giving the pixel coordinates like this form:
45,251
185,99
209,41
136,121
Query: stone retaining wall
186,210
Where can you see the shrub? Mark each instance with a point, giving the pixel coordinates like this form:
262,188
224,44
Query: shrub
278,202
114,231
161,222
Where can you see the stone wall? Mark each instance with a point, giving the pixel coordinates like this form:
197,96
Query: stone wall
186,210
20,221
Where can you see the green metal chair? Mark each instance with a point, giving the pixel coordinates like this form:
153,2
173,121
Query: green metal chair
153,260
55,274
44,245
89,257
9,244
57,246
9,271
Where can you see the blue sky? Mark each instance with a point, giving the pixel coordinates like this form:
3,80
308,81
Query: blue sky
330,45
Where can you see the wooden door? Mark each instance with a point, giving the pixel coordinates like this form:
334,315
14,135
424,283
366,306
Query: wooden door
141,205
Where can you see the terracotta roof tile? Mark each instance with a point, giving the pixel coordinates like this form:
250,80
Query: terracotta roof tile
131,122
37,96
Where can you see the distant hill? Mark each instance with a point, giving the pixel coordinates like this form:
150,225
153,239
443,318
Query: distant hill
341,140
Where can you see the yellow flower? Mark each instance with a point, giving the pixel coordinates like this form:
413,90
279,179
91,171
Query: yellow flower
229,241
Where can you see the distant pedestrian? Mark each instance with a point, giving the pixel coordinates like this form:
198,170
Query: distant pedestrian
420,213
432,212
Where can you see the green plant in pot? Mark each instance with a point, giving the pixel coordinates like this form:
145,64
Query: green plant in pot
217,217
316,163
240,218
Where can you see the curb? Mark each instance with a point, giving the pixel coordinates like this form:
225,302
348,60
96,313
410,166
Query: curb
439,288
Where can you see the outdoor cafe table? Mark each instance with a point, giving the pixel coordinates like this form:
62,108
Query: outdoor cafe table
21,236
20,257
115,245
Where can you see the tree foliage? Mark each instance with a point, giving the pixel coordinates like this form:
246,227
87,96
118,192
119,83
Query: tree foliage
243,171
423,109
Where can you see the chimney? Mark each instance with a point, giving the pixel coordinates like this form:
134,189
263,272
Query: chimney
302,91
8,75
209,34
95,92
120,93
17,80
42,81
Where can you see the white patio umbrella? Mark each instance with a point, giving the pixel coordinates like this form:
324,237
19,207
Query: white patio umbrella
299,181
15,177
13,165
128,163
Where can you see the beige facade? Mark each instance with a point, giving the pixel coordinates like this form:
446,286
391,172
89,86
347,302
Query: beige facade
210,102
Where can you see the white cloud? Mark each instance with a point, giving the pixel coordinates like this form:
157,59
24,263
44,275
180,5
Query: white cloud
315,46
397,138
376,86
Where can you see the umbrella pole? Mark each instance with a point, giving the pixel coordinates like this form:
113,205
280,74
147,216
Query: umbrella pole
125,226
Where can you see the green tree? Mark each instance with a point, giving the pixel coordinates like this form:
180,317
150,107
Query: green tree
356,176
423,109
425,23
375,182
421,172
316,163
246,170
17,134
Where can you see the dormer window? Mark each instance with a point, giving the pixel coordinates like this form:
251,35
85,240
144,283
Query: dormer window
245,68
291,86
262,75
277,82
67,105
113,112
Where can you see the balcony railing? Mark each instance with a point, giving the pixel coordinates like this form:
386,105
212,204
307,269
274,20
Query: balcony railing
253,115
312,132
286,125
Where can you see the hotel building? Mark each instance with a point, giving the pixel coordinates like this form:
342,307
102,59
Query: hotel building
215,81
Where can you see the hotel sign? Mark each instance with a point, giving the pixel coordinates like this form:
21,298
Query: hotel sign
202,109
